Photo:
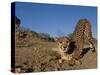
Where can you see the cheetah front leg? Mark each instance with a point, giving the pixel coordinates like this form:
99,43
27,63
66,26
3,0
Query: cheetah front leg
70,60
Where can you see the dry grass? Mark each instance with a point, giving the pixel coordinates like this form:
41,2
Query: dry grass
38,56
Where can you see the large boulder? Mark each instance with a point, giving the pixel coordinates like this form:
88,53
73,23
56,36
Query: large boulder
17,22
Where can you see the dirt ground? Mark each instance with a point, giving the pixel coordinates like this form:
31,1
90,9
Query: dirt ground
38,56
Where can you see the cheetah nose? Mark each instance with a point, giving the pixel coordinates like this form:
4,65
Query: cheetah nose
64,47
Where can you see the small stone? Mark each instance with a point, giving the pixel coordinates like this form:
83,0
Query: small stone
17,70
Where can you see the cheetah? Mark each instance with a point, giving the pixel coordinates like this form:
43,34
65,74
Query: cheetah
63,44
70,49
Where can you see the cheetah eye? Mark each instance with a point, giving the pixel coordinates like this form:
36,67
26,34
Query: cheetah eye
66,41
60,41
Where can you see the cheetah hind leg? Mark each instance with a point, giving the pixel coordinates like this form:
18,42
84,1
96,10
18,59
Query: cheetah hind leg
92,45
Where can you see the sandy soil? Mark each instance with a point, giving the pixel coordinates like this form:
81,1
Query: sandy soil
38,56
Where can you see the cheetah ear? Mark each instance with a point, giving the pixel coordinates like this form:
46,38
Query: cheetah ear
70,39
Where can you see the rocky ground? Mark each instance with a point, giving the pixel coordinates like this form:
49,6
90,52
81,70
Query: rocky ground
36,55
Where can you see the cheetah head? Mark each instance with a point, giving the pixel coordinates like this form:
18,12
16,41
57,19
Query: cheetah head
63,43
